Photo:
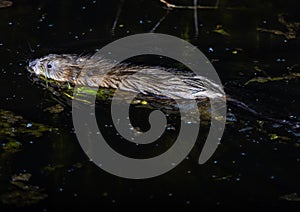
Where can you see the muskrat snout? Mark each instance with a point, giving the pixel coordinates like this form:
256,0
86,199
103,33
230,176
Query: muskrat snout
37,67
63,68
31,66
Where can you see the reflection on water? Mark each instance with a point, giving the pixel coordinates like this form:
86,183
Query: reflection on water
254,49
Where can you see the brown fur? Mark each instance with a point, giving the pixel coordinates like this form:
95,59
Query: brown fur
95,72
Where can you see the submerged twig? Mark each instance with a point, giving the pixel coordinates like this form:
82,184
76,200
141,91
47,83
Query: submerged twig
160,21
186,7
196,18
217,4
117,17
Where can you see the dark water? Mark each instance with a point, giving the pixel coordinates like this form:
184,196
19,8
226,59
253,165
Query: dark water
255,165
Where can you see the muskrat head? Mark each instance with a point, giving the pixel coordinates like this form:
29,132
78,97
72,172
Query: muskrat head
63,68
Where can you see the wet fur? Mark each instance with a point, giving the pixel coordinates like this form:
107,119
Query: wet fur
96,71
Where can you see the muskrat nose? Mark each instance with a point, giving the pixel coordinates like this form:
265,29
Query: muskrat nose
32,63
31,66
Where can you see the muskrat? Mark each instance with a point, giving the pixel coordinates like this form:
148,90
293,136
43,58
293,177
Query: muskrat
99,72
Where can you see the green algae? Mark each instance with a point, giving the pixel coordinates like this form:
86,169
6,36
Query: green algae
14,129
290,76
220,30
12,147
22,193
54,109
52,168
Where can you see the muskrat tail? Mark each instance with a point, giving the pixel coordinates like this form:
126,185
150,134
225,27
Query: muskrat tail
239,104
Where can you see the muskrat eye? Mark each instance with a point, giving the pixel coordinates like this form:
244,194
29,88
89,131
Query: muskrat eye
49,66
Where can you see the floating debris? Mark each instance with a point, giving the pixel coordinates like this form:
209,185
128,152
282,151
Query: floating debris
246,129
54,109
4,4
21,177
272,79
291,197
12,147
292,28
227,178
13,125
14,129
277,137
52,168
22,193
219,29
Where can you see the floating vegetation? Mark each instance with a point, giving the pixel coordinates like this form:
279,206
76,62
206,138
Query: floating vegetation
13,125
52,168
219,29
54,109
227,178
14,128
4,4
292,28
105,95
278,137
291,197
21,177
290,76
12,147
22,193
